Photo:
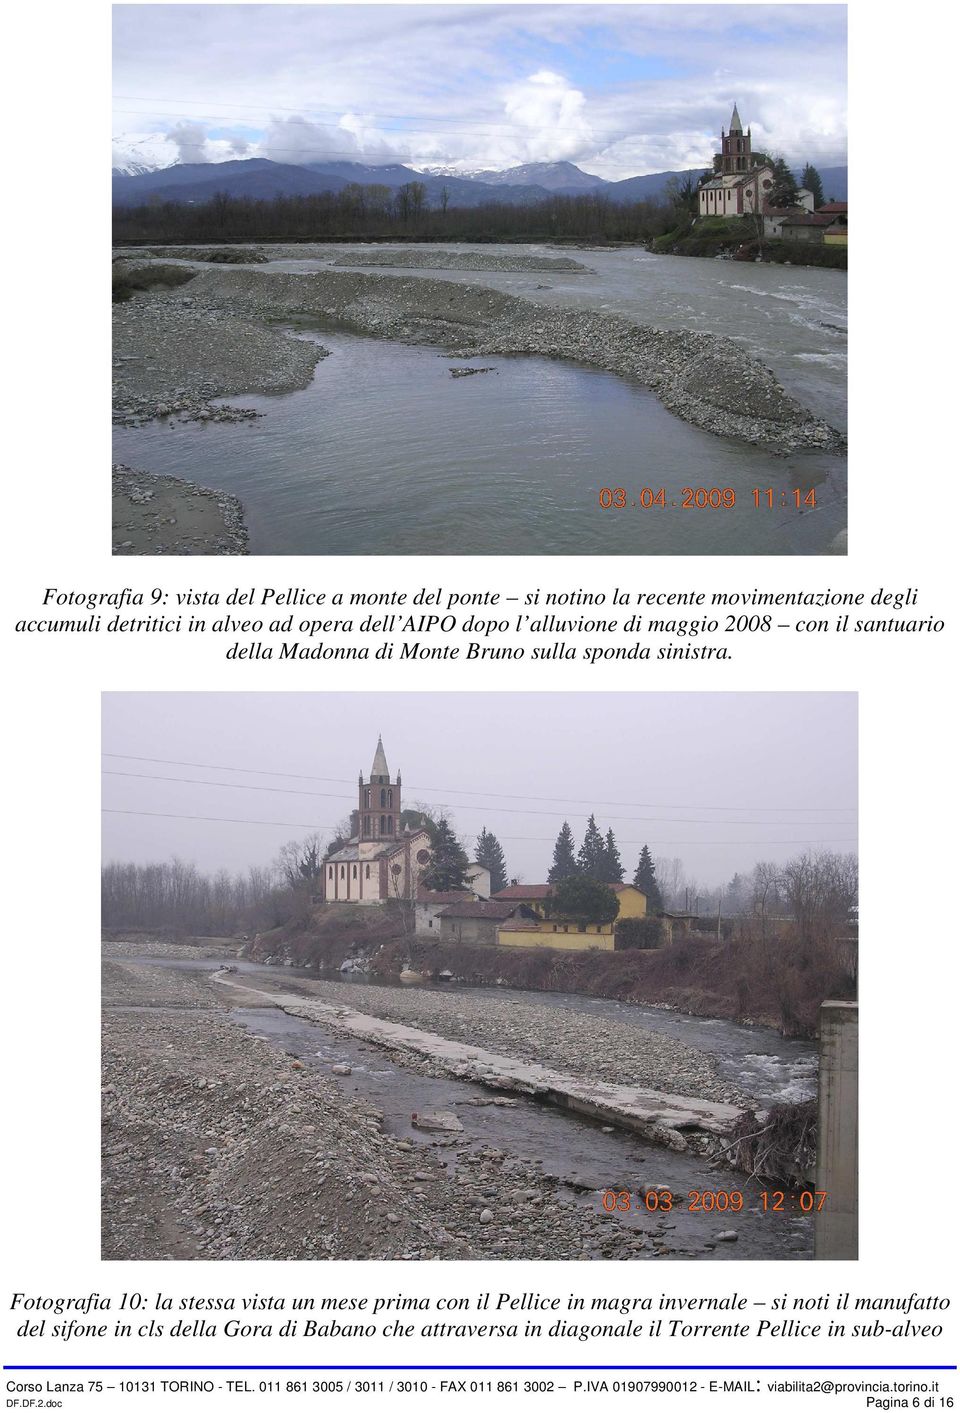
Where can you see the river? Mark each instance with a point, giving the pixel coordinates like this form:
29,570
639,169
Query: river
582,1156
385,452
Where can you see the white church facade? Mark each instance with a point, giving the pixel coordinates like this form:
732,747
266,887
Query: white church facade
741,184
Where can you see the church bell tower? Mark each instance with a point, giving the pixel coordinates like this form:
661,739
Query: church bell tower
735,154
379,810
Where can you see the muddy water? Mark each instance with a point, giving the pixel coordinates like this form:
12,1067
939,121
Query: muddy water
579,1154
385,453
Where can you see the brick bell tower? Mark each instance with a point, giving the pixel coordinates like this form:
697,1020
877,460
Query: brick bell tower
379,806
735,155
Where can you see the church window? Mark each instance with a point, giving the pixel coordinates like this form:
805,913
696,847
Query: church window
368,870
390,798
330,871
383,798
383,824
343,871
389,823
368,798
354,870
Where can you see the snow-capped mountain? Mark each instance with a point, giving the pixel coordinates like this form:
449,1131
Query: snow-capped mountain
136,153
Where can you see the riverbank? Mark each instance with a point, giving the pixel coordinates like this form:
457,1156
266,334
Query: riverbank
779,985
166,515
218,1145
706,379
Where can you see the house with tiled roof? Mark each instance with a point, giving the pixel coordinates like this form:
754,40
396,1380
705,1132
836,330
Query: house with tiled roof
478,921
542,928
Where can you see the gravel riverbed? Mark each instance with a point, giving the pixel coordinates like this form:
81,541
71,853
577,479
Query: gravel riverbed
584,1045
177,349
218,1145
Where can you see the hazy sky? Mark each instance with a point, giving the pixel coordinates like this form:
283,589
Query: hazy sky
620,90
718,779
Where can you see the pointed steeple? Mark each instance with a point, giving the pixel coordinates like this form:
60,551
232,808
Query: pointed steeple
735,123
379,768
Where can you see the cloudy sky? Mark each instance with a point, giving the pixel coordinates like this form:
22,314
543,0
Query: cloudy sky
719,780
619,89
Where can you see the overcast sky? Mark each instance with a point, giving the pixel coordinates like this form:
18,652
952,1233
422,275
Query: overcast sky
620,90
720,780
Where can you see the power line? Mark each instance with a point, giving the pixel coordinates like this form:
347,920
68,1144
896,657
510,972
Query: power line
463,809
511,838
486,794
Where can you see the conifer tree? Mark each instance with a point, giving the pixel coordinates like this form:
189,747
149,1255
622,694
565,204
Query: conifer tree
645,879
448,865
784,191
590,859
811,180
564,858
612,867
490,856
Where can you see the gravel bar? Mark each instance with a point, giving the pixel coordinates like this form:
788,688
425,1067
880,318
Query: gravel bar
212,328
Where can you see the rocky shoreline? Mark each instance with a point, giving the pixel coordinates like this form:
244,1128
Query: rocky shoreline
166,515
211,338
458,260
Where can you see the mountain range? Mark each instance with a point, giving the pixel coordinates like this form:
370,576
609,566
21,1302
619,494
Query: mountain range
261,179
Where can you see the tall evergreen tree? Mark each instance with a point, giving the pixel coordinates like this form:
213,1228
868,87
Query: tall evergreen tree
564,858
590,859
784,190
448,865
811,180
490,856
612,867
645,879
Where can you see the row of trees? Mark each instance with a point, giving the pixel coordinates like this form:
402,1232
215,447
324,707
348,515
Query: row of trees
372,212
598,857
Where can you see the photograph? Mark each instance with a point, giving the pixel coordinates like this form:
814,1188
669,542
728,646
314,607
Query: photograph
479,280
503,994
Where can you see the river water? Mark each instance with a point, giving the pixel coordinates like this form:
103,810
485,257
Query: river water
385,452
581,1155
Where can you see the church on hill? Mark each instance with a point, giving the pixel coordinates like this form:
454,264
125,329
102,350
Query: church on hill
741,183
384,860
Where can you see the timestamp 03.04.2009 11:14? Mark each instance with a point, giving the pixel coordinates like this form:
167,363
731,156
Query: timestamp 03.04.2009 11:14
704,498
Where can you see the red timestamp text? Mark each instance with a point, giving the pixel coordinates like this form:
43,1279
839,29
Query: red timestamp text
704,498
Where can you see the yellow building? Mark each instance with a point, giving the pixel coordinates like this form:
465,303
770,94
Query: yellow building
544,931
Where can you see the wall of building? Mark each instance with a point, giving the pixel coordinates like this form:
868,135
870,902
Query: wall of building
836,1225
468,929
565,936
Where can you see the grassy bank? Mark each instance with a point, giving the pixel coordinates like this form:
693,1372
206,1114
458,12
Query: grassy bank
736,237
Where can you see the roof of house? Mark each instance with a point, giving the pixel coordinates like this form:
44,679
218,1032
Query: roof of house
619,887
490,909
805,218
836,208
522,891
453,895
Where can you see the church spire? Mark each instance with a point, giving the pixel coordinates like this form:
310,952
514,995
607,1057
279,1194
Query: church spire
735,123
379,770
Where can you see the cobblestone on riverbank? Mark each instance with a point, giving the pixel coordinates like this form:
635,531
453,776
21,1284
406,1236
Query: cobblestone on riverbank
437,259
218,1146
172,356
167,515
